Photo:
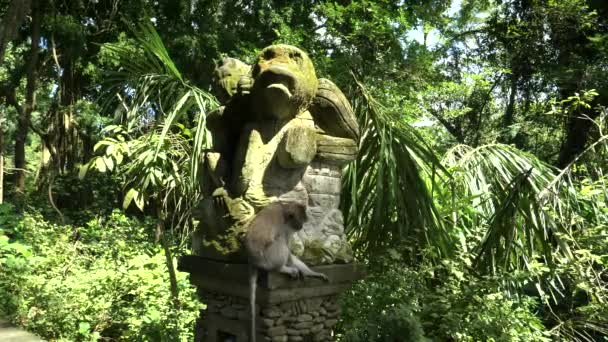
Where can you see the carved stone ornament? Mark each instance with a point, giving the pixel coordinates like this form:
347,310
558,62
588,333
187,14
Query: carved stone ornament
281,134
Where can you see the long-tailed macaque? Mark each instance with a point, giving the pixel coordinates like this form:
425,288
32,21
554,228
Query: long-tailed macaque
267,246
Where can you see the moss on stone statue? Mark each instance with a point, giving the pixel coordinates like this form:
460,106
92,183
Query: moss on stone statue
226,78
278,124
345,253
237,213
295,63
227,243
318,252
298,147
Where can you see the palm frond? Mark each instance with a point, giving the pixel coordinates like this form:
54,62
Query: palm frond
518,202
387,201
149,85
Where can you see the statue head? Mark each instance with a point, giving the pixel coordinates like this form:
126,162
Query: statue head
226,77
284,82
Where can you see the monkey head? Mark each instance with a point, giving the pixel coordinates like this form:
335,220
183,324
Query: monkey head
294,214
284,82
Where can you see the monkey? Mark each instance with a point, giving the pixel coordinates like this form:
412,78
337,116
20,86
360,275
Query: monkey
267,246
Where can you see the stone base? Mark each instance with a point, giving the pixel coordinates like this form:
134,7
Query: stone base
287,309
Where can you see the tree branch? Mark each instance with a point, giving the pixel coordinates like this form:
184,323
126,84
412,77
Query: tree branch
448,126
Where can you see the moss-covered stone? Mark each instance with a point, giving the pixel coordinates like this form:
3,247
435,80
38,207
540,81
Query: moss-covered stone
226,78
268,147
291,67
298,147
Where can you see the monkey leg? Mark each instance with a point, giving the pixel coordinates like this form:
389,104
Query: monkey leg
303,270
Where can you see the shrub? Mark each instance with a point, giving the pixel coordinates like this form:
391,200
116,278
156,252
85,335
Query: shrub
105,280
440,303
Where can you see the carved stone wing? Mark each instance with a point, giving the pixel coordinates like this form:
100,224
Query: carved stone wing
332,112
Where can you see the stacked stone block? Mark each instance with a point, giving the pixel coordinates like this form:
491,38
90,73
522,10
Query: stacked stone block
302,320
287,309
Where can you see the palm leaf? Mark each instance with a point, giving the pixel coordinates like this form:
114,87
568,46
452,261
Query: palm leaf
150,83
519,203
387,202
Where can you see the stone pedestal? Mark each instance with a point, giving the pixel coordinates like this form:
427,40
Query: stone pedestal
287,309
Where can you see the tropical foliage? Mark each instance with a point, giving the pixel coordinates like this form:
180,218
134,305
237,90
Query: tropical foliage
106,279
478,200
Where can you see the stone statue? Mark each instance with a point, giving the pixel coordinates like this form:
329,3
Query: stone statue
281,134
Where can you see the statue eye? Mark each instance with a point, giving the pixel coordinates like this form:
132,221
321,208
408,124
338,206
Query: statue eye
296,56
269,54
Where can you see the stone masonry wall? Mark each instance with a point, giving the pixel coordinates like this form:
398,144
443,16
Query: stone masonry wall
302,320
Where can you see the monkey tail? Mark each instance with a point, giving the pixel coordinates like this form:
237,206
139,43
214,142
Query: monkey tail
253,283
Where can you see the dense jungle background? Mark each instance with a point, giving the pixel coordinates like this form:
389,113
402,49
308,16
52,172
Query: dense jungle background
478,200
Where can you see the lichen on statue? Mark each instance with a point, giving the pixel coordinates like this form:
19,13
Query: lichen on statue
285,83
280,136
226,78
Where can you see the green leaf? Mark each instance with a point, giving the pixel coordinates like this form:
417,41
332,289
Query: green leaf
100,164
139,201
84,328
82,170
180,107
119,158
109,163
100,145
129,197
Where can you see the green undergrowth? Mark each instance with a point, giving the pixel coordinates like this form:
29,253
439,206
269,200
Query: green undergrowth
106,280
444,302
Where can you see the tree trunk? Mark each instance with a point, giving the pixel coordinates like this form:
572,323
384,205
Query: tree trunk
30,100
577,134
510,111
1,159
161,233
12,20
579,124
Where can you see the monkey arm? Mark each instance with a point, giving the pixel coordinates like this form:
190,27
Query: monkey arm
298,147
291,271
